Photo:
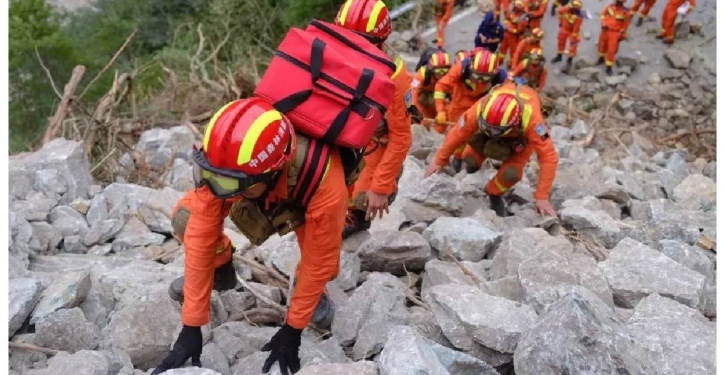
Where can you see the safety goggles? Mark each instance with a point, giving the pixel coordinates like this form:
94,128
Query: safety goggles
493,131
482,77
440,72
225,183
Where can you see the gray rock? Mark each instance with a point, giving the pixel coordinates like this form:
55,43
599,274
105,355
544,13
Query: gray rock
635,271
467,238
357,368
615,80
180,176
595,225
437,191
406,352
49,181
81,205
675,171
84,362
156,221
235,301
676,338
517,247
66,292
144,330
692,257
283,253
570,85
135,234
588,74
94,190
708,304
507,287
161,145
439,272
213,358
162,200
394,252
98,210
424,323
23,295
74,244
102,231
100,250
457,309
239,339
192,371
548,275
68,221
367,317
66,157
677,59
45,238
99,303
67,330
695,188
37,208
349,273
578,333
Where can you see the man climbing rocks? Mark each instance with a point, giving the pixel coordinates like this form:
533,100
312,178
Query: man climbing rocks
507,125
615,22
669,16
526,45
532,69
570,23
514,24
423,84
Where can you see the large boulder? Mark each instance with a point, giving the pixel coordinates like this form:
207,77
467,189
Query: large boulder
467,238
23,295
394,252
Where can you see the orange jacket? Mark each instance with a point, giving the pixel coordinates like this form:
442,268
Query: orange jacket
524,47
514,22
532,125
463,94
570,22
536,76
418,85
537,8
400,134
447,5
320,250
616,18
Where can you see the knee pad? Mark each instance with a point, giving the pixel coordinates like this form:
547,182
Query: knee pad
471,165
511,175
179,220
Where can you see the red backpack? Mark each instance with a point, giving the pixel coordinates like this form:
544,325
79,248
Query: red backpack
333,84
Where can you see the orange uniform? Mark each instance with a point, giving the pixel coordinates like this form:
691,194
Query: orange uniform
524,47
648,4
570,22
383,165
615,21
423,86
514,25
463,91
536,9
207,246
535,74
669,16
443,10
501,4
534,136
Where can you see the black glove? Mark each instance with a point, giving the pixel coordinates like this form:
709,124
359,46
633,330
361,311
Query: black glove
284,347
188,345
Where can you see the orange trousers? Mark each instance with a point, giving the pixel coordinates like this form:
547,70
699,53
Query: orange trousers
508,45
453,114
669,16
648,4
608,45
563,36
360,187
441,23
535,22
508,175
223,245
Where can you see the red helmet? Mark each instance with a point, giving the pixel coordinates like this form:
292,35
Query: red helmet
484,64
246,142
537,33
536,55
575,4
439,63
460,55
369,18
499,114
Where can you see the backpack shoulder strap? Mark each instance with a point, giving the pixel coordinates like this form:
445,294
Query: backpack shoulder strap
309,166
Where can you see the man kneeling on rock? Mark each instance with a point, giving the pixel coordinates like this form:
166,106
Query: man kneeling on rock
506,125
249,168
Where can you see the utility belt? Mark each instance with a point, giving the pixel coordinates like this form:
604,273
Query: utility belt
500,149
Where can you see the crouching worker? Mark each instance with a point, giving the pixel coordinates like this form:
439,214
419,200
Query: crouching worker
250,168
506,125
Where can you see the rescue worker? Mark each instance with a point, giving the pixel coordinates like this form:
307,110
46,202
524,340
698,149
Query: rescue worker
466,82
570,23
247,169
377,186
536,10
424,82
526,45
499,5
669,16
514,24
490,33
442,11
507,125
615,22
460,55
557,3
648,4
533,70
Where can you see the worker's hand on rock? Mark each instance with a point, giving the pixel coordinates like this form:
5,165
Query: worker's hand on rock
188,345
377,204
284,348
432,168
544,207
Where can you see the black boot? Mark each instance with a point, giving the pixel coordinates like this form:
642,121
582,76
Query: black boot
355,222
557,58
659,36
324,312
639,21
225,278
600,61
456,164
496,203
609,71
553,10
567,67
